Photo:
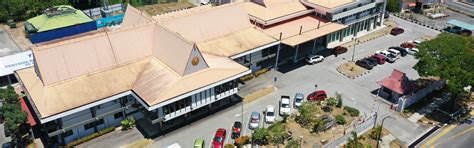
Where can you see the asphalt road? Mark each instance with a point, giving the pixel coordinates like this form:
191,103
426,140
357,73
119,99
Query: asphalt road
355,93
459,136
460,6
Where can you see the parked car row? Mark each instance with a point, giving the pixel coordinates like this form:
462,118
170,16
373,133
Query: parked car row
220,135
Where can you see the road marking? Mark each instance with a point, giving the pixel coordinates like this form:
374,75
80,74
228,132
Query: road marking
454,136
245,125
226,137
441,134
210,143
239,114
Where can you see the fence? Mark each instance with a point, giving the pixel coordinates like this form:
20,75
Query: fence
405,101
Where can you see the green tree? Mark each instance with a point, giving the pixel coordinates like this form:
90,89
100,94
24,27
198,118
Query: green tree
339,100
261,136
375,132
14,116
353,142
393,6
332,101
277,132
450,57
318,126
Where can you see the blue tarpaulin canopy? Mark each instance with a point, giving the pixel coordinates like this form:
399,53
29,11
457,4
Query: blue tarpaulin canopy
461,24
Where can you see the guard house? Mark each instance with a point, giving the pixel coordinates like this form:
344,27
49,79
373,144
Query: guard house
396,85
142,70
297,26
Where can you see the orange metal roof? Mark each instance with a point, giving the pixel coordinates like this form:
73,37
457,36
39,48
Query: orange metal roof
273,9
307,25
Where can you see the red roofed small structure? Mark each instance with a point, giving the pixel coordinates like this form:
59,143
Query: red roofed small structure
397,82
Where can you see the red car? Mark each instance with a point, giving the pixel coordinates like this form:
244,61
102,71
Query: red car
408,45
397,31
380,59
219,138
319,95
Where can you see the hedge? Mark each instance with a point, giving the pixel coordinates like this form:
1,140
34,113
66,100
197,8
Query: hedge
90,137
352,111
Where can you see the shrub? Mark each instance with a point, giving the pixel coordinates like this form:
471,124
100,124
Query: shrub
128,123
90,137
293,144
327,108
246,77
278,132
332,101
228,145
352,111
242,141
340,120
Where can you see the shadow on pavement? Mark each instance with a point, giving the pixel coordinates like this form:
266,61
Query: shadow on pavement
290,66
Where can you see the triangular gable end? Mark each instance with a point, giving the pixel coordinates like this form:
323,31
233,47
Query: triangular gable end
195,61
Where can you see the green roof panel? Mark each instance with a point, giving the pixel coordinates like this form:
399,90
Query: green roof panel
56,20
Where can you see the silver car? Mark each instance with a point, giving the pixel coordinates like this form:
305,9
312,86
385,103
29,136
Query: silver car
299,98
254,120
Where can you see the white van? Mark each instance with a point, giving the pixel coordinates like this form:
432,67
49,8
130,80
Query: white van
394,52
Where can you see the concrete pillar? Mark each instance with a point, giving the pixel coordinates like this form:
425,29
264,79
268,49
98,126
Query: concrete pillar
278,52
9,81
296,53
314,46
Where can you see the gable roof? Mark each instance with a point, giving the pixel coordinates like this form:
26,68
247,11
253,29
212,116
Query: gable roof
330,3
135,17
69,17
397,82
275,11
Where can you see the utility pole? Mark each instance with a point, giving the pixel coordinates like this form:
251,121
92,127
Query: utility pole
353,51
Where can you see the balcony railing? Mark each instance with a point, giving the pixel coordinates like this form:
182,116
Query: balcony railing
353,11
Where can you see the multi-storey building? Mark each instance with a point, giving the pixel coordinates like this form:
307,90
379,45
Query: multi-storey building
167,69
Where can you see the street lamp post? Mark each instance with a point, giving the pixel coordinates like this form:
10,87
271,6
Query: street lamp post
353,50
381,128
378,106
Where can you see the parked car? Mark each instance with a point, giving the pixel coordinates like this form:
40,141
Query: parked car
403,51
236,128
270,114
397,31
199,143
408,45
312,59
365,64
319,95
299,98
380,58
219,138
394,52
285,105
339,50
412,51
373,61
254,120
382,52
391,58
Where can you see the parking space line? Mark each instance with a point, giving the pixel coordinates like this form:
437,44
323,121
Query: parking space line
210,142
245,125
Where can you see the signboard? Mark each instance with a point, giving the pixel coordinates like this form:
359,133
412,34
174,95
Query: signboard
12,63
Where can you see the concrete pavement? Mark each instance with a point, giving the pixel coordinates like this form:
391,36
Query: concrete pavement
7,45
356,93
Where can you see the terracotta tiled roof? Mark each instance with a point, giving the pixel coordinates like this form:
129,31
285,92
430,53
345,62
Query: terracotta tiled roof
397,82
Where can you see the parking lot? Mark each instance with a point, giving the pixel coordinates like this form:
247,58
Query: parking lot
356,93
441,23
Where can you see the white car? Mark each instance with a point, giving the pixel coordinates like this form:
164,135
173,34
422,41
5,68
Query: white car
391,58
312,59
299,98
285,105
414,41
270,114
394,52
382,52
412,51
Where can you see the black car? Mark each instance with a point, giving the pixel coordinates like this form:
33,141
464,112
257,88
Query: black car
365,64
403,51
373,61
236,130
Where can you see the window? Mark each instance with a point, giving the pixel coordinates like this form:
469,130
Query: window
100,122
118,115
68,133
88,126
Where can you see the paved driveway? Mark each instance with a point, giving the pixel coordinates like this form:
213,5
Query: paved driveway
355,92
7,45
